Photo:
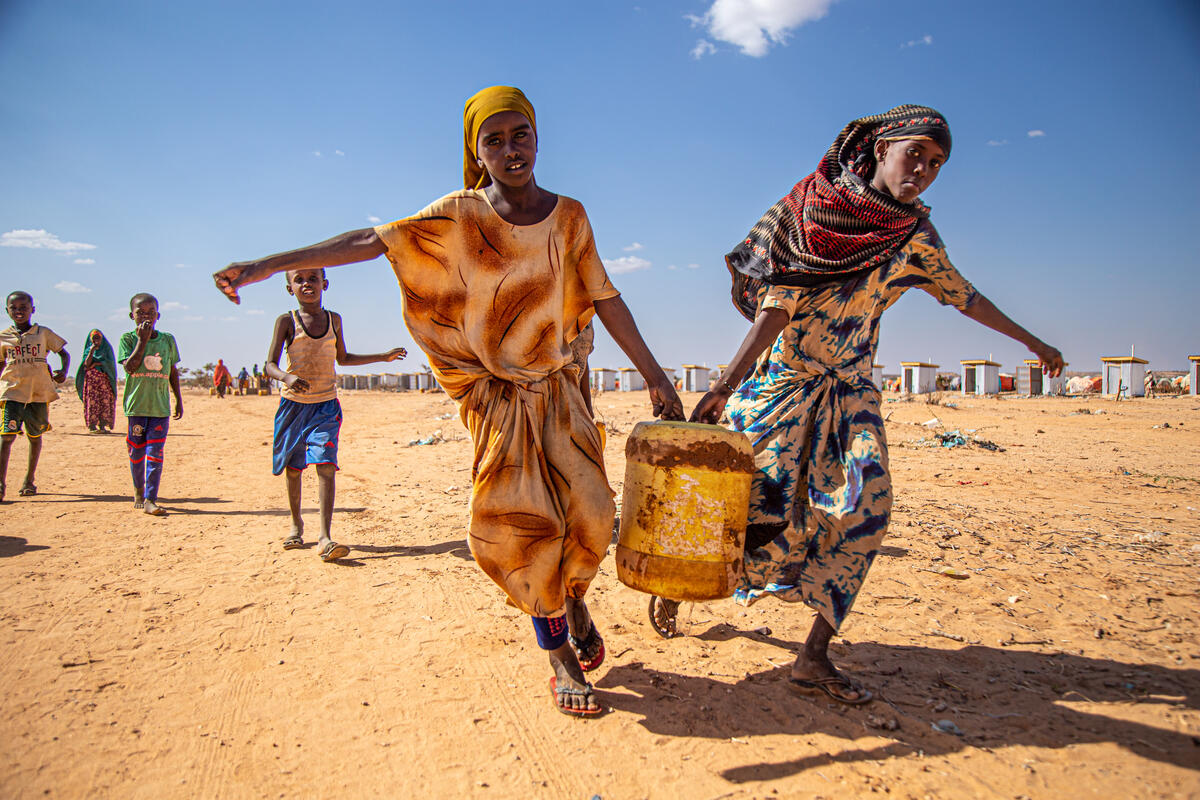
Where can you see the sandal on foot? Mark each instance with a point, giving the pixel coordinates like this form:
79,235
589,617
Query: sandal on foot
333,551
293,542
28,490
662,616
829,686
560,693
589,650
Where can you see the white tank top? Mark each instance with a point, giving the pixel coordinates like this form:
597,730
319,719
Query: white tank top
313,360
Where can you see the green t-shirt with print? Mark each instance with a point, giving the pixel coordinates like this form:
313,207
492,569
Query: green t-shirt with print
148,390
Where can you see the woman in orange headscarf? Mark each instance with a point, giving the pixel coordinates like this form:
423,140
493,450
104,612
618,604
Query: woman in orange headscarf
498,281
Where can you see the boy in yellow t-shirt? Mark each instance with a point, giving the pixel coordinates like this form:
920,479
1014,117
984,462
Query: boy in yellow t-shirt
26,385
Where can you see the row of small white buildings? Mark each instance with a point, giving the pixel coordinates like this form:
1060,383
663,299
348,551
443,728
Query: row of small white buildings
1120,375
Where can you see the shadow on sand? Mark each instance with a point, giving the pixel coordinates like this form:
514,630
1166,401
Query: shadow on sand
457,548
15,546
997,697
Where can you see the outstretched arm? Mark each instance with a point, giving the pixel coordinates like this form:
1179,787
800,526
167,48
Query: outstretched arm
356,359
763,333
613,312
348,248
985,312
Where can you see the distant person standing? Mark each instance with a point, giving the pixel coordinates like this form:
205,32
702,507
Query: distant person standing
221,378
243,381
149,357
26,385
96,383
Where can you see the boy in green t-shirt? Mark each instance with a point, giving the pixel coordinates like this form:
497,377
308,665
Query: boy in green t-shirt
149,358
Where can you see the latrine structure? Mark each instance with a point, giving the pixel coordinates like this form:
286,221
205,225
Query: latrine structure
980,376
918,377
1123,375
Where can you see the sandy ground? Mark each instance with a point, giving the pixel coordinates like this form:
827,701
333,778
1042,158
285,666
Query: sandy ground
191,657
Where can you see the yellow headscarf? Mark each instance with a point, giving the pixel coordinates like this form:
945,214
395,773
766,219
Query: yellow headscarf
481,105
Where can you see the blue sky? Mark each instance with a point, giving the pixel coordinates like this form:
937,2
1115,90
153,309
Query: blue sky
145,145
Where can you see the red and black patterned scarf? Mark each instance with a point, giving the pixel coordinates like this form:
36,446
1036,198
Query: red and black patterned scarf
834,226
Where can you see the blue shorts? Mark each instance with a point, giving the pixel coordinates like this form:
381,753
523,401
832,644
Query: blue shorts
305,433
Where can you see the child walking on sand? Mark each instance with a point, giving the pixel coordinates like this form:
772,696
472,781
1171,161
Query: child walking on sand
26,385
149,357
309,415
498,280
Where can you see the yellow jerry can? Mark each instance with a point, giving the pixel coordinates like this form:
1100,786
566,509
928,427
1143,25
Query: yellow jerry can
683,511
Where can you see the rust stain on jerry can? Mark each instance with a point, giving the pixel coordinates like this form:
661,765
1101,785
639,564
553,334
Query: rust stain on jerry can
683,511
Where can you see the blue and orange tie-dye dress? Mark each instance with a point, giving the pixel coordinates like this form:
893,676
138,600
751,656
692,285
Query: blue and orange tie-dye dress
822,496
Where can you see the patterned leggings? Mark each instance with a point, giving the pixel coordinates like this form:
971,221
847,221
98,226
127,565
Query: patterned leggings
146,439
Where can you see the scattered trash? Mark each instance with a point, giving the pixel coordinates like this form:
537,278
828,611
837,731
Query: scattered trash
946,726
956,438
433,438
951,572
949,405
932,423
952,439
763,631
1164,425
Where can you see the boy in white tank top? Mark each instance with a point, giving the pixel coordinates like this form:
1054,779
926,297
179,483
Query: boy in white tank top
309,415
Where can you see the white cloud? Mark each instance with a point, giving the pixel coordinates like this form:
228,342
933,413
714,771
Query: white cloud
693,266
71,287
85,261
755,25
255,311
41,240
172,305
119,314
703,48
338,153
634,247
672,267
619,266
926,40
1035,133
997,142
374,220
317,153
193,319
182,266
226,319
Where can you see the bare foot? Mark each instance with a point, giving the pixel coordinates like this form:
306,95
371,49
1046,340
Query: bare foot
568,675
139,502
152,508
